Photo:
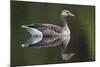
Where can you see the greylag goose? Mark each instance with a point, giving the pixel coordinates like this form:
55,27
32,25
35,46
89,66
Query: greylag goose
50,35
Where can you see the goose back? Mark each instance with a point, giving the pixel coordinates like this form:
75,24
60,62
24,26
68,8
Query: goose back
47,29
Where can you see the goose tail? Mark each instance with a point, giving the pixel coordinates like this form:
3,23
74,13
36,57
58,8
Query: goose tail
33,31
36,36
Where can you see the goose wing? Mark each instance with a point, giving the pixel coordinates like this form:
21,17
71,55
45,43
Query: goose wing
46,27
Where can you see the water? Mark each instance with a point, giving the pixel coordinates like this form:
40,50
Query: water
82,28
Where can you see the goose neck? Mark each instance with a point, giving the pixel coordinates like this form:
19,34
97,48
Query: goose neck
64,21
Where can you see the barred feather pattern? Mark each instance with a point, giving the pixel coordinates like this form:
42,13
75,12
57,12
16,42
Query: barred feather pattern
51,35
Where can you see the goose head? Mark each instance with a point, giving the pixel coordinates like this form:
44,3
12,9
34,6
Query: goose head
66,13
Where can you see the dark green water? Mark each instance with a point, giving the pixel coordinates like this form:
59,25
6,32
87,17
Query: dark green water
82,28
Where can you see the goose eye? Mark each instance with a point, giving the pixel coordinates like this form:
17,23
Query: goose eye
66,12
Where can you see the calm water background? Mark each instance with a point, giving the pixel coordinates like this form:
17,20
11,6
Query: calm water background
82,28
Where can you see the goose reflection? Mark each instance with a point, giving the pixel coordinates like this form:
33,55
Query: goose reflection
46,41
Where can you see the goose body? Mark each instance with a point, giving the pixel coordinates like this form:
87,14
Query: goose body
49,35
44,34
